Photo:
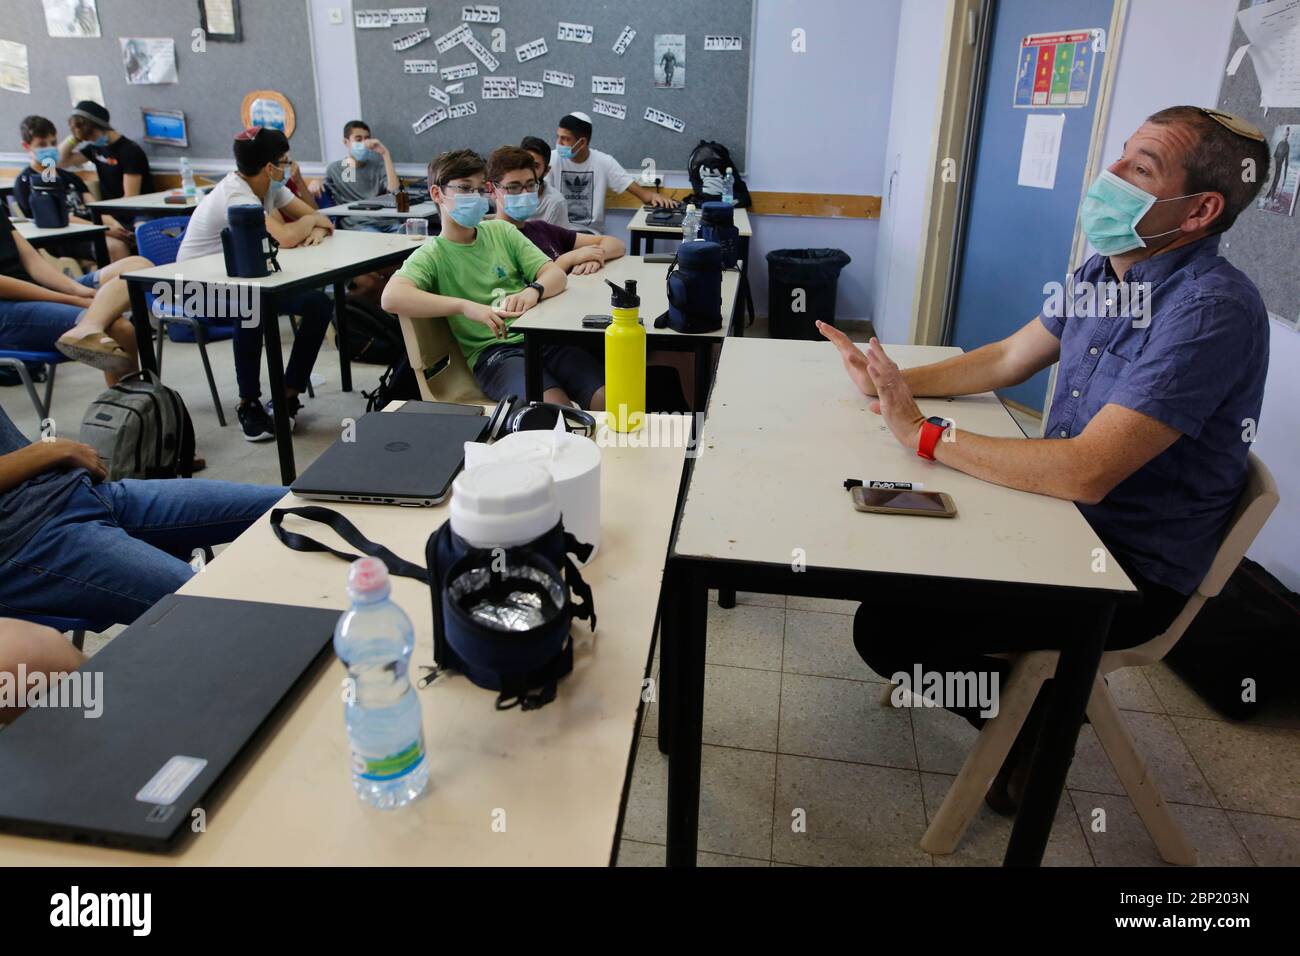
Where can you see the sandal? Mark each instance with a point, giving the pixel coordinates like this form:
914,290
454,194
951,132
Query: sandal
97,350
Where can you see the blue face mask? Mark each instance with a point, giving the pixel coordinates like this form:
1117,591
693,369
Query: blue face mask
359,152
520,207
469,210
277,184
1111,210
564,152
101,142
47,155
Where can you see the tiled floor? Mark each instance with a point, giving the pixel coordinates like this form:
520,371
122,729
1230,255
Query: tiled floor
801,765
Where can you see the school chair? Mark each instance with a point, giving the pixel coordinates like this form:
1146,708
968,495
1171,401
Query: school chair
1029,670
438,363
17,359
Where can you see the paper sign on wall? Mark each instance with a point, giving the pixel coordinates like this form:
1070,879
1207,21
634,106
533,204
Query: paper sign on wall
531,88
372,19
717,44
439,95
660,118
1040,150
557,78
576,32
419,66
1054,70
479,13
452,38
616,85
483,54
459,72
405,15
461,110
1274,33
624,40
429,120
606,108
411,39
500,88
531,51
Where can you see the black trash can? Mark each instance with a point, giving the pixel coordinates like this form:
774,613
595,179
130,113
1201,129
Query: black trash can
801,287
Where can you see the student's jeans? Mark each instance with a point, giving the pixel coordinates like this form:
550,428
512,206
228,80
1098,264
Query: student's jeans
35,326
118,547
315,309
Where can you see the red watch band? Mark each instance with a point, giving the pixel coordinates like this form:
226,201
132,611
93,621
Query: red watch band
930,435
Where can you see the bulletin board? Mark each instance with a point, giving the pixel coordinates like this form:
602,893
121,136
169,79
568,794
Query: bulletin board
275,52
1265,244
712,100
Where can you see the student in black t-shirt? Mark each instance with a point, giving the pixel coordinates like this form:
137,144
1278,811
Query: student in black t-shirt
41,143
121,164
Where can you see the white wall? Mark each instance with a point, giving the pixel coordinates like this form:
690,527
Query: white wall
336,72
912,122
1174,52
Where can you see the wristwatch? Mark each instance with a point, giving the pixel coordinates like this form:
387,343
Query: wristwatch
541,290
932,430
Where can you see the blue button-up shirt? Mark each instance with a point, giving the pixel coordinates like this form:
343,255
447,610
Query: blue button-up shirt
1195,360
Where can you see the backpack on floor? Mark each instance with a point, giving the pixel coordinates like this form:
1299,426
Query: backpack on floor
141,429
374,336
397,383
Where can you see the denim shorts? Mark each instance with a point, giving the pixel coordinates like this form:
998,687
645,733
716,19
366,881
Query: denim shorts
35,326
500,371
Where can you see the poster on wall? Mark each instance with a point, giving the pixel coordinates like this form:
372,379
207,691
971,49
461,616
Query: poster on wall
81,88
71,18
1055,70
1279,193
13,67
268,108
670,61
149,60
219,20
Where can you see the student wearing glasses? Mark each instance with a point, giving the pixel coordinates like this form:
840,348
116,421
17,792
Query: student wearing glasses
551,204
481,274
512,176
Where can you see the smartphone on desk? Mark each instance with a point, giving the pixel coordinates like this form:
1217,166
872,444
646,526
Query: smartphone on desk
892,501
597,321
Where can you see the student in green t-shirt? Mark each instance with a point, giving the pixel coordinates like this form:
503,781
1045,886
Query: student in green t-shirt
481,274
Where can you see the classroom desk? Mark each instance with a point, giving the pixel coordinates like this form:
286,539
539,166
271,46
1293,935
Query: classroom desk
556,777
558,320
424,210
644,234
145,204
334,261
765,510
74,231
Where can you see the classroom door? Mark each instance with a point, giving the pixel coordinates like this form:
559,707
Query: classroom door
1043,60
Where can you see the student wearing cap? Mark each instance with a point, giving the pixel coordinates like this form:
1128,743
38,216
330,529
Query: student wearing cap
582,175
262,167
551,206
121,164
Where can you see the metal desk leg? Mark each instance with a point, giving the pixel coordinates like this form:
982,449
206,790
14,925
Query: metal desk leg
341,330
532,368
140,322
747,298
275,372
101,250
668,631
636,242
96,216
688,617
1054,750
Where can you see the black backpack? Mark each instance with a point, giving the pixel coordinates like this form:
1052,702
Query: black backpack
397,383
715,156
374,336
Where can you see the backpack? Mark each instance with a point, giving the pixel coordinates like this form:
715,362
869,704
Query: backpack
714,156
141,429
373,335
397,383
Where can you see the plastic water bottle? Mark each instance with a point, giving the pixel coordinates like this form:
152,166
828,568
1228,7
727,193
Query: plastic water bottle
729,188
691,224
374,639
187,180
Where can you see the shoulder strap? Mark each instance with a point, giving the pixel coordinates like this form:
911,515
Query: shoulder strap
348,532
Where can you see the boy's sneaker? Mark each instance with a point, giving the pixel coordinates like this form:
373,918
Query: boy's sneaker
292,406
255,422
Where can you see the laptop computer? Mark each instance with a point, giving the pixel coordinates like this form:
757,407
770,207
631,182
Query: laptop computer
393,459
182,694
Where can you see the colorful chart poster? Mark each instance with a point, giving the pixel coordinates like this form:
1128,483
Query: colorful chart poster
1054,70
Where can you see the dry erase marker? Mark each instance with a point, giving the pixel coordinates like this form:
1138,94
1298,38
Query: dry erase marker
884,485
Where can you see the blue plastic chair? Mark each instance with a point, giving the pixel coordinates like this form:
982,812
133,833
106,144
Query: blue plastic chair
18,359
74,625
158,240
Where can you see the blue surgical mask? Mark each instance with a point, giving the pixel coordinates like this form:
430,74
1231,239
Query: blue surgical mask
101,142
564,152
521,207
47,155
1111,210
277,184
359,152
469,210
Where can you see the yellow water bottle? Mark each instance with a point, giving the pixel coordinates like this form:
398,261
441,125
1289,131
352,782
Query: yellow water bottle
625,360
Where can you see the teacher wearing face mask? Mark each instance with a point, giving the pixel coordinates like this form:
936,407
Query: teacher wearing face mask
1163,352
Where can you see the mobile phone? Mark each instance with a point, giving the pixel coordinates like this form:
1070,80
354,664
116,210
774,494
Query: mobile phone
596,321
890,501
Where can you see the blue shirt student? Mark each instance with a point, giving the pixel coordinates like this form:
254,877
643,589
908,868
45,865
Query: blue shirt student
1195,361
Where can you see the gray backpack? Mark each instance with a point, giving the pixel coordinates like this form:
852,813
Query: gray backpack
141,429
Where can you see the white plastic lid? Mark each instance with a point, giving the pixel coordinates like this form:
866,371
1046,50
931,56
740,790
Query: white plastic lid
367,576
503,504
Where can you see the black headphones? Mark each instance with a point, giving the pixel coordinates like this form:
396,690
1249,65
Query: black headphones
510,416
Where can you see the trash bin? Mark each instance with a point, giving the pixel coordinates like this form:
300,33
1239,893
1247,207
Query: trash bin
801,287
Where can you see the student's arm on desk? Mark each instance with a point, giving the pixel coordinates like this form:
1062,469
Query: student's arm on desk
42,456
1114,444
403,297
308,227
589,253
997,365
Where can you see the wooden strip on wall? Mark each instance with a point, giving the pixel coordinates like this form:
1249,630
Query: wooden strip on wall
823,205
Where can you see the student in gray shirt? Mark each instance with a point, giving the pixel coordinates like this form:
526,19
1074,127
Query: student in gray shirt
366,172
